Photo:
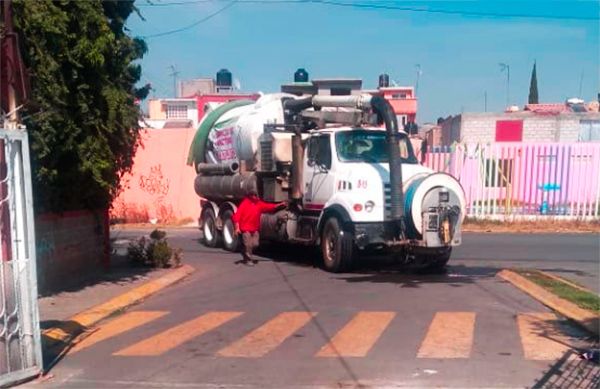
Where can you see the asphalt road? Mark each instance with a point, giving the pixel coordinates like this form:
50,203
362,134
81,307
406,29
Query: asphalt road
286,323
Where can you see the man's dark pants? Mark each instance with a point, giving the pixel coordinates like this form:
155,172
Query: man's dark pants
250,240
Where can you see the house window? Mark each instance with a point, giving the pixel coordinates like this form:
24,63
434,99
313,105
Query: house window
177,111
340,91
402,120
589,131
509,131
399,96
498,173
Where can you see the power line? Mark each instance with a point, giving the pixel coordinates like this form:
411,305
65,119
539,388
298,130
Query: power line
386,7
204,19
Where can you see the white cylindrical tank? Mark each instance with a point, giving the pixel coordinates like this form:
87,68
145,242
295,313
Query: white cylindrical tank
234,136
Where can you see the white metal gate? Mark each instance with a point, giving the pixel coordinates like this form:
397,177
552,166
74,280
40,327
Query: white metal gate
20,343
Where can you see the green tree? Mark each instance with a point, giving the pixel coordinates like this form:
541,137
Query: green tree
533,89
82,115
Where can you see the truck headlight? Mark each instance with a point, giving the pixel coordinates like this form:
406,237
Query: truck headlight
369,206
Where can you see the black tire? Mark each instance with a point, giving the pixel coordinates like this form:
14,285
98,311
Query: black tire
231,241
337,247
210,233
436,262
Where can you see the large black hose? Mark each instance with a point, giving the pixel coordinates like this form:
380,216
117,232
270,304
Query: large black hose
291,107
386,113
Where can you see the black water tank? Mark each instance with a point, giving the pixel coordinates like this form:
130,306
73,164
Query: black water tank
224,78
301,75
384,80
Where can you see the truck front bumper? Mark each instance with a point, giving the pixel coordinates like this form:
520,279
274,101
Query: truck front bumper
374,234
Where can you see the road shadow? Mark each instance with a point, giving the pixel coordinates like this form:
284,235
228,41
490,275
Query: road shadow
570,371
378,268
406,277
121,272
56,344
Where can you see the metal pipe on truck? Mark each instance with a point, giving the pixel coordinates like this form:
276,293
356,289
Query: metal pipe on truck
218,169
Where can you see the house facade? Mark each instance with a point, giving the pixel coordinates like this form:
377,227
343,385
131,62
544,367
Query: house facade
521,126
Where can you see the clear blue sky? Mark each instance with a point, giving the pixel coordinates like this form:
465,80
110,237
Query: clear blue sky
264,42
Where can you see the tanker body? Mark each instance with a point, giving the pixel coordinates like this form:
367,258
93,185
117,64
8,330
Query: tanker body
348,173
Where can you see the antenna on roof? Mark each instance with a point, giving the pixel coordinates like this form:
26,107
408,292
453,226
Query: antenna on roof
174,73
236,84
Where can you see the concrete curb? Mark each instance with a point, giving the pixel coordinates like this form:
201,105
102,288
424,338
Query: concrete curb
69,329
585,318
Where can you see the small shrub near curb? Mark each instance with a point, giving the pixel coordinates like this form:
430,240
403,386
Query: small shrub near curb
154,252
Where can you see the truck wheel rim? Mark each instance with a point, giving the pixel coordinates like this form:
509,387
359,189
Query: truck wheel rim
330,243
208,230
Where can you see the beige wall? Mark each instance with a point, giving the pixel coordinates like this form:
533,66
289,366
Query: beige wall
156,109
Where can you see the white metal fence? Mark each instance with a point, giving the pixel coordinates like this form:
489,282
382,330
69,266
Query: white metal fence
525,180
20,343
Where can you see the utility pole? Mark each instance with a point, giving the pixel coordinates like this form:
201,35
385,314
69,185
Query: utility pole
505,67
485,101
419,72
174,73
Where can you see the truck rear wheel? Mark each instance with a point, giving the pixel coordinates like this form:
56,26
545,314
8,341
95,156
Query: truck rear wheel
210,233
337,247
231,241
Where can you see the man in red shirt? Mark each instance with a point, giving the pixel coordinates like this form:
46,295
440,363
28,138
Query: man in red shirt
247,222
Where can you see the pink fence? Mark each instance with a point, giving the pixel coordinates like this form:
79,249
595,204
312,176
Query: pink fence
521,179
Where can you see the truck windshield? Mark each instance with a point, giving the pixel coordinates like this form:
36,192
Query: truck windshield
369,146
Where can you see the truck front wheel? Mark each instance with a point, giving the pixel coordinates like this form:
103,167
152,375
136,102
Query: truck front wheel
210,233
231,241
337,247
436,261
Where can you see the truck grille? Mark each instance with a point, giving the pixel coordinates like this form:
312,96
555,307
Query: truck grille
266,156
387,201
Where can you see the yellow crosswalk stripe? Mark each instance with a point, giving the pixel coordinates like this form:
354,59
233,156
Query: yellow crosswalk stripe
117,326
175,336
540,336
268,336
450,335
358,336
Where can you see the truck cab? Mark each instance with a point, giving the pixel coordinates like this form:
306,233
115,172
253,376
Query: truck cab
346,177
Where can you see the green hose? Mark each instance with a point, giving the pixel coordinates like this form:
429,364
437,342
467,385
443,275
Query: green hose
198,146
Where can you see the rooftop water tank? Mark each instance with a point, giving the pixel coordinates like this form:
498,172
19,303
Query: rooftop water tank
301,75
224,78
384,80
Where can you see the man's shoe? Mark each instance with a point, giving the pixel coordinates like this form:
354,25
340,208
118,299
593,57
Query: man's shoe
255,261
249,263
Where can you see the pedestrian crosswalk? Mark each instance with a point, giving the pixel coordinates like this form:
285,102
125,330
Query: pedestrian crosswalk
358,336
448,335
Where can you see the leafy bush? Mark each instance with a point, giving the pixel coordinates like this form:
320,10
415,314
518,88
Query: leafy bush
81,114
155,252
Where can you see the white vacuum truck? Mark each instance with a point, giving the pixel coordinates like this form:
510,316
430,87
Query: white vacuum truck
349,174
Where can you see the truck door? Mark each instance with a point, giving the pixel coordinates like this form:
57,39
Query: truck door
318,175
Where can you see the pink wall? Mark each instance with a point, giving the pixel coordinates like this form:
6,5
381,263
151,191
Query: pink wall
161,185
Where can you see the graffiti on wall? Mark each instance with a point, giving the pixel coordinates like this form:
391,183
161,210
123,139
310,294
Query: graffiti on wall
155,183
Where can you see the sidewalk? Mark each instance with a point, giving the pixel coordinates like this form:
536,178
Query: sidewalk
121,278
